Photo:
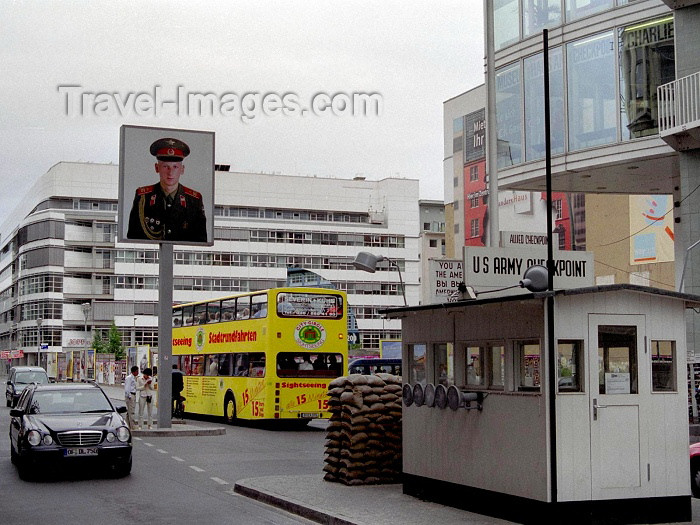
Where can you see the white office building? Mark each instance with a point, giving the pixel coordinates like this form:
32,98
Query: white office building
62,275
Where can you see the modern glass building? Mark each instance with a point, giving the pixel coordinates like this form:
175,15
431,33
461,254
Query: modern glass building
624,98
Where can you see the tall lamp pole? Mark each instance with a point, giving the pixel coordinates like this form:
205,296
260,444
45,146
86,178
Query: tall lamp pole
38,348
86,314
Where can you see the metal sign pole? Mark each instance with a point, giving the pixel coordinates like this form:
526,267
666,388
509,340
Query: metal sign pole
165,332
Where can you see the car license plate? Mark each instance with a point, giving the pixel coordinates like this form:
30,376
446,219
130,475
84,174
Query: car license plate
91,451
310,414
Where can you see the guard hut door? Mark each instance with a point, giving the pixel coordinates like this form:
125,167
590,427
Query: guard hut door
619,385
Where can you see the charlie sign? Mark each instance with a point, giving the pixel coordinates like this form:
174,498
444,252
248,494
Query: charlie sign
491,268
445,276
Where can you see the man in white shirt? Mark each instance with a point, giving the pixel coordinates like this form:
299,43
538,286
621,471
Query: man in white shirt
130,396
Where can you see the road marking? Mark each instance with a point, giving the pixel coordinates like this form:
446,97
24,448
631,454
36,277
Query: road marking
177,458
148,444
219,481
137,438
196,469
162,451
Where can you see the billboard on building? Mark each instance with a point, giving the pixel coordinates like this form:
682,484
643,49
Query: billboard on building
651,229
166,186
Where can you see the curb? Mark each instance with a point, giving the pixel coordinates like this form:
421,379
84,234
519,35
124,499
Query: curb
185,432
294,507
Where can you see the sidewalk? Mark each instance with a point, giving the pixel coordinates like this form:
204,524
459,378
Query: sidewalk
179,428
334,503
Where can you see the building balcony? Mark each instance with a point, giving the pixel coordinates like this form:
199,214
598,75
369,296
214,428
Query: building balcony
679,112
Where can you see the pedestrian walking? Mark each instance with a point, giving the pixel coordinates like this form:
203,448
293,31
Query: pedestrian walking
130,396
145,386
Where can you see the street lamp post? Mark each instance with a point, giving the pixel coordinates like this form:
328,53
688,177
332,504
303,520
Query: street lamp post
367,262
38,348
86,313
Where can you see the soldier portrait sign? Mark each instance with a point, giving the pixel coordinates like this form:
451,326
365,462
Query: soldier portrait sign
166,186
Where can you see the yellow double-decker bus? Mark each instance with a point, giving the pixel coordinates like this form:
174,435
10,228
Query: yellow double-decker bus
262,355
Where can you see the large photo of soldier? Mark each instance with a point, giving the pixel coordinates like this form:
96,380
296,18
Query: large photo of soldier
175,205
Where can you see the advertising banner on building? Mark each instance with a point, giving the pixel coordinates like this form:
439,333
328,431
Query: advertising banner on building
166,186
488,269
651,229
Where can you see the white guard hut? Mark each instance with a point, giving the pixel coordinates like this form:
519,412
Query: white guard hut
480,431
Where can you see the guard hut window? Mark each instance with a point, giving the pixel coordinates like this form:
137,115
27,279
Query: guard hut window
497,366
416,365
529,365
444,369
474,359
663,366
617,355
570,365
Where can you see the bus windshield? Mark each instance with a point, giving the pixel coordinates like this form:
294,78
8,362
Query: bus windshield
316,306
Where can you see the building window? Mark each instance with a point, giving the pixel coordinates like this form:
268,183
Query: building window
444,364
576,9
663,366
416,366
497,366
533,68
506,23
508,115
433,243
474,202
539,15
528,363
592,103
647,60
570,365
474,227
556,206
475,365
473,173
617,358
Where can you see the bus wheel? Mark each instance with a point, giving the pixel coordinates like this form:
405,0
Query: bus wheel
229,409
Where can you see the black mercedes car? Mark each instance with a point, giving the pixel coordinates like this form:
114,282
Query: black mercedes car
66,426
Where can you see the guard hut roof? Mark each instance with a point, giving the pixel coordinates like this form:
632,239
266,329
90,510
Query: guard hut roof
691,300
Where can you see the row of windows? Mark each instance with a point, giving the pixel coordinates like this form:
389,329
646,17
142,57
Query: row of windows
517,365
591,108
290,215
253,364
514,20
43,283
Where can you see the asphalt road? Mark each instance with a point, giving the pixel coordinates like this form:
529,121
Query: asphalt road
174,480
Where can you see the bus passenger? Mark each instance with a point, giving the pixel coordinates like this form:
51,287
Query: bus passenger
306,363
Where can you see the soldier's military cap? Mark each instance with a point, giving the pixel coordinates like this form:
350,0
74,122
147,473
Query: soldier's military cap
169,150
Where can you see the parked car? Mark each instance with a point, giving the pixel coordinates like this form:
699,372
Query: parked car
20,377
695,469
370,365
66,426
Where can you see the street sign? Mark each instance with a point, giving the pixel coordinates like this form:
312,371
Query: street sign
44,346
492,268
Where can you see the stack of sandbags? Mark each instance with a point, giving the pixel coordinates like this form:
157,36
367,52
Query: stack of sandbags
364,433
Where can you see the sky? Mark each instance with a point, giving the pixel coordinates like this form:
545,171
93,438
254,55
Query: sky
280,79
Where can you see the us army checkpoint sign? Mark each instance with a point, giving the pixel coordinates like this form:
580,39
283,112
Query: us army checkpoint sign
491,268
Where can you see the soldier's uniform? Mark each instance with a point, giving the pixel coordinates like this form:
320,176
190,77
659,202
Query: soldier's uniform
175,217
160,218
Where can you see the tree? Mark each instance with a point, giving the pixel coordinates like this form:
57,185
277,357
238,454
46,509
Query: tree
98,343
114,344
